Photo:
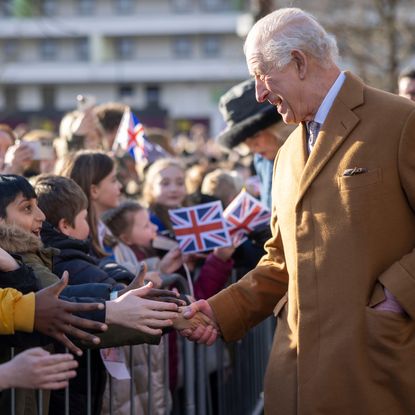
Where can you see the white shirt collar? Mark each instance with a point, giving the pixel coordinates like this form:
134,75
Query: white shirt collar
328,100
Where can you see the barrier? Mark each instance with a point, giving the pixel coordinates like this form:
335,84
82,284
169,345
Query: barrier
217,380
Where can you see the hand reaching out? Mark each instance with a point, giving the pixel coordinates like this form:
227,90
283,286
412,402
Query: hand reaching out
38,369
135,311
54,317
203,328
7,262
172,261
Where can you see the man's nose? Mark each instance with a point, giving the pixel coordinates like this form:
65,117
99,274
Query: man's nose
261,92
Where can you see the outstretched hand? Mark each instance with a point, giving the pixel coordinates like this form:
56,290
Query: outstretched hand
203,327
38,369
134,310
54,317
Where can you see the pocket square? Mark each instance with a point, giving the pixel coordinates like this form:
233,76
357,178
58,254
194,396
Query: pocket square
355,171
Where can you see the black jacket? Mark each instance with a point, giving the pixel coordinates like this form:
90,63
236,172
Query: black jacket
74,257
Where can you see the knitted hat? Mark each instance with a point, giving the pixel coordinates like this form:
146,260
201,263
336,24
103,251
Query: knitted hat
243,114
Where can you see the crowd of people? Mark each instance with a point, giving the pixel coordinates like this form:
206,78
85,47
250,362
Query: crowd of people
80,267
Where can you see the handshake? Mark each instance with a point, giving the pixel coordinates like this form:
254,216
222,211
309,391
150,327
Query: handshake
197,322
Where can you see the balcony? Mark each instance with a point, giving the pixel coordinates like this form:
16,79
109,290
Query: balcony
162,70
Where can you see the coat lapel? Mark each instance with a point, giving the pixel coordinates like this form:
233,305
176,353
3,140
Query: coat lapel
339,123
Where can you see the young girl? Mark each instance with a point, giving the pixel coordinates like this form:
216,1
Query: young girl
95,173
164,189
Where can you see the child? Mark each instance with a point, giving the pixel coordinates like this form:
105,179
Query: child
64,204
164,189
95,173
20,208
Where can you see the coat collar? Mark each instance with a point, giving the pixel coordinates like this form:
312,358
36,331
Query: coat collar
339,123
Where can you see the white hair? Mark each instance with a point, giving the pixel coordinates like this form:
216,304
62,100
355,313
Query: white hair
280,32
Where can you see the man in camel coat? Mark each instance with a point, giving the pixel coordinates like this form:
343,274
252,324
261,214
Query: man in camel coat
339,273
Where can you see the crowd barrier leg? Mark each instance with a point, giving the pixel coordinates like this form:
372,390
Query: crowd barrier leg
149,382
189,377
201,378
88,382
132,384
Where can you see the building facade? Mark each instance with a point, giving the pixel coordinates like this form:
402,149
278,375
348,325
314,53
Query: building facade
169,59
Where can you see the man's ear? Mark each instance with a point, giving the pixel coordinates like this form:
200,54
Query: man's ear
64,227
300,60
2,221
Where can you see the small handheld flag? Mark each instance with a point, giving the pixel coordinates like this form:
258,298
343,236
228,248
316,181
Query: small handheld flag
132,139
246,214
200,228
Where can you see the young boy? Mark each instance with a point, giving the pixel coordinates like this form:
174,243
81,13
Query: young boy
20,225
21,222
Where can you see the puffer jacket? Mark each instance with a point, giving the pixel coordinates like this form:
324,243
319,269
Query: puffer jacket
160,399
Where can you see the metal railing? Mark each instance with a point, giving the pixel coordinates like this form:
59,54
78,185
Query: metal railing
217,380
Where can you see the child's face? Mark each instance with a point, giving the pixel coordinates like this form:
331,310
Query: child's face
106,194
143,231
169,187
80,230
25,214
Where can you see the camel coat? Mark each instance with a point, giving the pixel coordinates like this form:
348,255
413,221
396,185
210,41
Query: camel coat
337,240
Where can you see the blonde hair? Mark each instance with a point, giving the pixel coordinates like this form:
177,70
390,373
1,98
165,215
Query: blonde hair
222,185
155,169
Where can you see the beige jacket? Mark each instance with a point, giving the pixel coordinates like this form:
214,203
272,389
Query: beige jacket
336,239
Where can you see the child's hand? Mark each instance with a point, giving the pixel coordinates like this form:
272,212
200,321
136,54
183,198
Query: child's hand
7,262
54,317
191,259
171,262
38,369
154,277
224,253
133,310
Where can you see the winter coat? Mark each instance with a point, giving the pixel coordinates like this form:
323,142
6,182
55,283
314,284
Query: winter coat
338,239
74,256
160,396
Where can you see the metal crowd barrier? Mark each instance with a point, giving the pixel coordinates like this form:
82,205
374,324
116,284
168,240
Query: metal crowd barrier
217,380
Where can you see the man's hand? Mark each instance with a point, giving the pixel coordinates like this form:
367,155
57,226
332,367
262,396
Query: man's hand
38,369
134,311
54,317
206,331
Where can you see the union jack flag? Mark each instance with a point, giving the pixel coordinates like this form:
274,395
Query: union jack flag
200,228
245,214
131,138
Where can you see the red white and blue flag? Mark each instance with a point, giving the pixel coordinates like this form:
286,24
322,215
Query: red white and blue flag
132,139
246,214
200,228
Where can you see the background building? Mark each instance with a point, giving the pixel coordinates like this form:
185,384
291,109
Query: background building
169,59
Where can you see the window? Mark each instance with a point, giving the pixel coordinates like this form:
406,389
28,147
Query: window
48,7
86,7
124,6
48,97
125,91
153,95
182,47
211,46
10,50
48,49
181,5
82,49
124,48
10,97
215,5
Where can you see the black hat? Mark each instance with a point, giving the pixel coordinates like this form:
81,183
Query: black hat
243,114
